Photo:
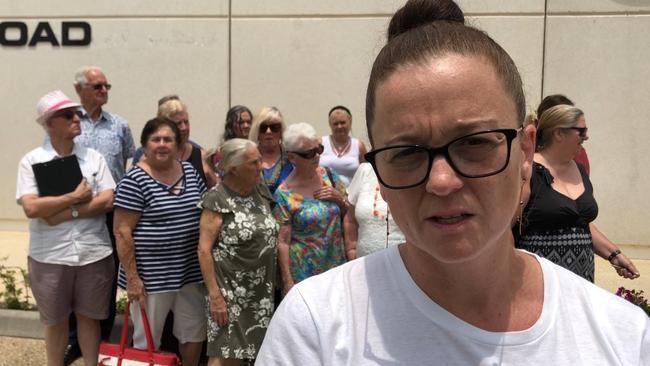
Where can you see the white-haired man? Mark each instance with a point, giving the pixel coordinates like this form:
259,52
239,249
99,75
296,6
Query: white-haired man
109,134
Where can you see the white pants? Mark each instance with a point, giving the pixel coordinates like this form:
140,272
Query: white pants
188,305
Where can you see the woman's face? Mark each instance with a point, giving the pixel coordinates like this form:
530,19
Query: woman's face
243,125
270,133
161,146
182,121
449,217
572,138
308,157
249,171
340,123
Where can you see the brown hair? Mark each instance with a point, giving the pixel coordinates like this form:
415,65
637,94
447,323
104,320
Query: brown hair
551,101
424,29
154,125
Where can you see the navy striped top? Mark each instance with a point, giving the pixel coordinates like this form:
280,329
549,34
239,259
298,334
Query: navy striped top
167,235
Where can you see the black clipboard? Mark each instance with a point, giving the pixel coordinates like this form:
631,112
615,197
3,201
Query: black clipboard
58,176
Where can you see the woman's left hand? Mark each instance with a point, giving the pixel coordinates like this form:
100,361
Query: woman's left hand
329,193
624,267
219,310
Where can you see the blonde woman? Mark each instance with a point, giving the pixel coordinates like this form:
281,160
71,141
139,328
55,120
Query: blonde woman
266,132
558,218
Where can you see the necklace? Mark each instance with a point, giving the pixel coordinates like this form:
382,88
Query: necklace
340,151
375,213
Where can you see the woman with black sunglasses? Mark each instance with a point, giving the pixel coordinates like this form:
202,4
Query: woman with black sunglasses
310,207
557,220
266,132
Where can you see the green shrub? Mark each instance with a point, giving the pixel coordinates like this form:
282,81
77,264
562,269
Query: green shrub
120,304
16,287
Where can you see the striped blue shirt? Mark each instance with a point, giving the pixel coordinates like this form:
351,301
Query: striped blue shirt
167,235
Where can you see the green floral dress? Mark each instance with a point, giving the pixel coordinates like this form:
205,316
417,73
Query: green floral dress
244,260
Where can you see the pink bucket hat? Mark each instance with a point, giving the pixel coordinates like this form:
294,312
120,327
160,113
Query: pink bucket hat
52,102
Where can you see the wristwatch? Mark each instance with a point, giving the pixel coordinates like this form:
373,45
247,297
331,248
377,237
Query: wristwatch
75,212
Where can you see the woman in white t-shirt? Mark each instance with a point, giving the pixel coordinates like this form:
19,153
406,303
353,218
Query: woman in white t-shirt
369,226
444,110
341,152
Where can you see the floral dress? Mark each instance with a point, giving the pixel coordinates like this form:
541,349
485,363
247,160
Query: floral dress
316,230
245,262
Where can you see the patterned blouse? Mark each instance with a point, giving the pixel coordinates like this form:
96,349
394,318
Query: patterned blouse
316,230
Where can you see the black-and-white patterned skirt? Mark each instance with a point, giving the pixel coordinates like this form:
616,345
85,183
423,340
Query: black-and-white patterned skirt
571,248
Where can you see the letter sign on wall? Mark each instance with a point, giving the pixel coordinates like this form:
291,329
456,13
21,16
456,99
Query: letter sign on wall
16,34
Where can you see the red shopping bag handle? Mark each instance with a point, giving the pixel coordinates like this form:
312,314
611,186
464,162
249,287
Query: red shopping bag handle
125,331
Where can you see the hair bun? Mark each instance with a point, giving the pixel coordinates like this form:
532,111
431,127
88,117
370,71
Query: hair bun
416,13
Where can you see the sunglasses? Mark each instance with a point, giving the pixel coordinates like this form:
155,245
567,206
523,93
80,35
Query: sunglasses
582,131
275,127
309,154
68,114
100,86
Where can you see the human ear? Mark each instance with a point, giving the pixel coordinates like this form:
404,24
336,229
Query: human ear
527,142
558,134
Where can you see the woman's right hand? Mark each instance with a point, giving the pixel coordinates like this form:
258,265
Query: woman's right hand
219,309
135,290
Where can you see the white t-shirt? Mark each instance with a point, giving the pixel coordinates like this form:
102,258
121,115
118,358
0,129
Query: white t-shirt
370,312
345,165
371,210
74,242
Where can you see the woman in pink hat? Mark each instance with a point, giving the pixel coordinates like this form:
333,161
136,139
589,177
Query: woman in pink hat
70,263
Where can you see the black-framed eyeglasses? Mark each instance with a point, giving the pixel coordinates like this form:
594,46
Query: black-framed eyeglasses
275,127
309,154
476,155
68,114
100,86
582,131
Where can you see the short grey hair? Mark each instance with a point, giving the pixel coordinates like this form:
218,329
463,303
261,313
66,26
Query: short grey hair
297,134
233,153
80,77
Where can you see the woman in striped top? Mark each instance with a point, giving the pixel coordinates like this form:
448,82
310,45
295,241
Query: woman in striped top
157,232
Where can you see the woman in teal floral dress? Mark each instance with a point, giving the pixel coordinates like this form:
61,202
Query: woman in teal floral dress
310,207
237,253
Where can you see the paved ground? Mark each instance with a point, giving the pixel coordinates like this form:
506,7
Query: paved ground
24,352
28,352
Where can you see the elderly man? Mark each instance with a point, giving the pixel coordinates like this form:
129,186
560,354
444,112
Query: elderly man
109,134
71,267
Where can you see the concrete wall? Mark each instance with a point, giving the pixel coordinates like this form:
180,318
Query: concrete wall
305,56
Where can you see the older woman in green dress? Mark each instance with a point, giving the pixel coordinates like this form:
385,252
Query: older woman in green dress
237,253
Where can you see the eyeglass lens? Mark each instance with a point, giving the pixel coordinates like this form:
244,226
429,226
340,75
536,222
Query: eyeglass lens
476,155
309,154
69,114
100,86
275,127
582,131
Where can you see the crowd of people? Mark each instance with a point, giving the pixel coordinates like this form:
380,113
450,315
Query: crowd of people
290,248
